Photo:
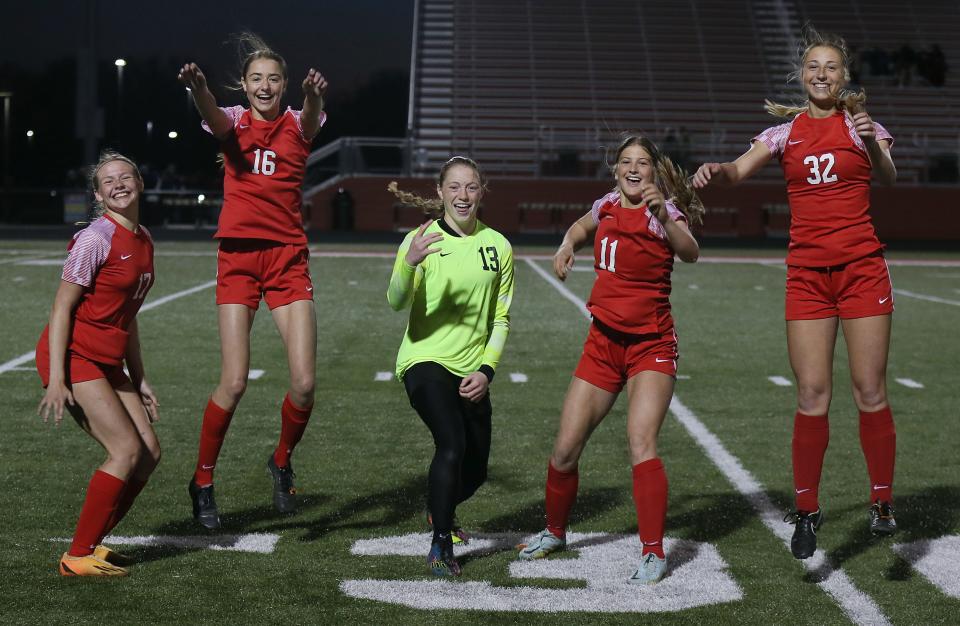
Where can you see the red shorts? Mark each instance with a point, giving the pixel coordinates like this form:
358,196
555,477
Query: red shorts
80,369
610,358
251,269
860,288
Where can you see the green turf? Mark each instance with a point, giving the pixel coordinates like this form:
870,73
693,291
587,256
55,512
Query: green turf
361,466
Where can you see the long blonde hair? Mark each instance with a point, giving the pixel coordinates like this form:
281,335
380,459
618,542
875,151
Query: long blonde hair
668,176
811,38
433,207
251,47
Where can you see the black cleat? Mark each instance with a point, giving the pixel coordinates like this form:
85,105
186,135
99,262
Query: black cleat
804,541
882,523
284,493
204,506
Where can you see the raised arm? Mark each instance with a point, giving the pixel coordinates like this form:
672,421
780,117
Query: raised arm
733,172
191,76
312,117
579,233
878,150
414,249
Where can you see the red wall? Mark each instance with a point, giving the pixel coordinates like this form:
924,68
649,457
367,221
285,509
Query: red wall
545,205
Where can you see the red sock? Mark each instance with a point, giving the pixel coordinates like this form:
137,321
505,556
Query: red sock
293,421
878,438
650,498
561,494
811,434
214,428
130,493
103,493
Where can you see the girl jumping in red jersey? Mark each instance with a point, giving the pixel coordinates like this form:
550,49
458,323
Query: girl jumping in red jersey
631,342
263,254
80,356
835,271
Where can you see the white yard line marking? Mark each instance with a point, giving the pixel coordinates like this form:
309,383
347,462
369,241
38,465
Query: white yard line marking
909,382
518,377
566,293
29,356
779,381
937,559
260,543
920,296
383,376
858,606
682,377
255,374
40,262
692,286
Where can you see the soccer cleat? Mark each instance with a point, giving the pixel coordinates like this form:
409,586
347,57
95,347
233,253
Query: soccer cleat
542,545
882,523
804,541
204,506
88,565
284,493
104,553
651,570
459,535
440,560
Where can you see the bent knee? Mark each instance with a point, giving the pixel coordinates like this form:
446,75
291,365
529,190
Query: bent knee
813,399
234,388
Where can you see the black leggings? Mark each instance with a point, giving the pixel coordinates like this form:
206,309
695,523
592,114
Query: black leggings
461,439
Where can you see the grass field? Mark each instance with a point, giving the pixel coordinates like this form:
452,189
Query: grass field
361,467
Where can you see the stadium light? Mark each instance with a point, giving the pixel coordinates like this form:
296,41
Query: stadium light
120,62
201,198
30,134
172,134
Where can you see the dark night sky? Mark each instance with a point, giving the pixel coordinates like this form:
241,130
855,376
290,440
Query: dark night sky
361,46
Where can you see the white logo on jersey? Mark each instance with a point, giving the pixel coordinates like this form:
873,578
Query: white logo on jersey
124,257
659,360
882,300
793,143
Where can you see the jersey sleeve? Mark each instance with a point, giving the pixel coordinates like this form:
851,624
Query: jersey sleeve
88,253
775,138
613,196
232,113
405,277
501,319
674,213
297,115
883,133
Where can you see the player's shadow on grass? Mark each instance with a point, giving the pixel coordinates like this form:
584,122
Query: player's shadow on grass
530,518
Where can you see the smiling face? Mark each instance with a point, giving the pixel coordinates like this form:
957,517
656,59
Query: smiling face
118,187
264,83
823,75
461,190
634,167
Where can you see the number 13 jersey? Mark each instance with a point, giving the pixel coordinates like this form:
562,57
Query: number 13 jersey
827,170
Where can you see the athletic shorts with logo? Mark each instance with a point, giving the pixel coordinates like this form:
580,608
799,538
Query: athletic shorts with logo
860,288
611,357
251,269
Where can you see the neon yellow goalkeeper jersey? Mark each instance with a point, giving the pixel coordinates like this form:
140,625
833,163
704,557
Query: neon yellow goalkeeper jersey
459,300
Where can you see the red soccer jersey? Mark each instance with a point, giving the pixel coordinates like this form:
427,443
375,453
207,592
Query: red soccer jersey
264,163
827,170
116,267
633,260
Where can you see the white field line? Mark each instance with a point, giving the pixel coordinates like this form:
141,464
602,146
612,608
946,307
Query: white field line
779,381
920,296
518,377
255,374
260,543
29,356
909,382
858,606
383,376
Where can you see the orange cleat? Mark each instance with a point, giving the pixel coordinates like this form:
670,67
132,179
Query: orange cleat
104,553
88,566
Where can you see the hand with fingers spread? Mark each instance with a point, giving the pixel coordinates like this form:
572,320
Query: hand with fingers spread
150,402
420,246
563,260
54,400
314,85
704,174
191,76
474,386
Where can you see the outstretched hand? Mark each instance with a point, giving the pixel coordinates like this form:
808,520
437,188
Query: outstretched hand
314,85
704,174
420,246
191,76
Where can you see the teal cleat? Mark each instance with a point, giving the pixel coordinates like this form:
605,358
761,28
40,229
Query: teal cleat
542,545
651,570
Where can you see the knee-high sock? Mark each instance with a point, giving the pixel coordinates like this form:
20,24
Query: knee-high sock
103,494
130,493
650,498
293,421
561,494
811,434
216,420
878,438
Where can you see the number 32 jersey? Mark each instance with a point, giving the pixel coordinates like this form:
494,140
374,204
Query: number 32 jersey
633,260
827,170
264,163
